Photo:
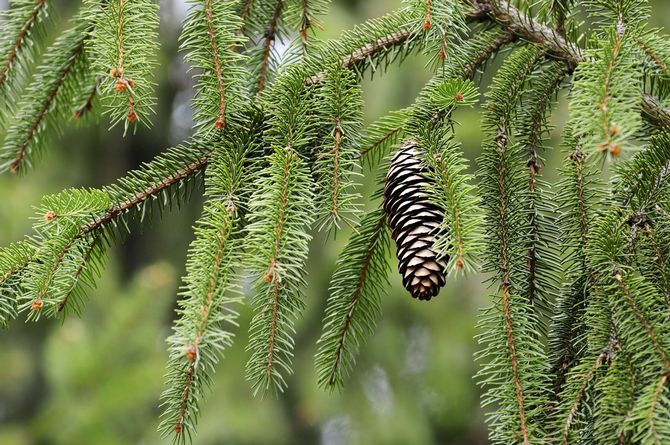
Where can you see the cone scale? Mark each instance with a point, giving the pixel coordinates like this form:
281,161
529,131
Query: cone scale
415,224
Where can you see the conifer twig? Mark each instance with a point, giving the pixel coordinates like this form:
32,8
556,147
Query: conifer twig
268,41
40,5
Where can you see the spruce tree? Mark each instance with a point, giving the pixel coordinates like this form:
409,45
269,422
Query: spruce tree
575,346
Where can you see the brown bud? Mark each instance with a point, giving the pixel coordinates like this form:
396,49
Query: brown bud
50,215
427,24
442,55
615,150
177,428
132,116
269,276
114,72
458,97
459,263
220,123
37,304
191,353
120,86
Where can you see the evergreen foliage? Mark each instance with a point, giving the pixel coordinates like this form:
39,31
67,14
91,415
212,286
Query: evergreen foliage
122,49
574,347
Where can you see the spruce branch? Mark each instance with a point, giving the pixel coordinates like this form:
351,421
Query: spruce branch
606,95
206,309
268,42
210,37
381,135
13,260
281,211
543,262
512,322
453,192
335,166
122,50
528,29
355,298
140,198
48,99
577,205
23,25
277,242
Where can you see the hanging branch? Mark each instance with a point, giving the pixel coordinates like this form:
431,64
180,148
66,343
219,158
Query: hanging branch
122,49
335,165
512,323
47,100
23,26
209,289
354,303
210,37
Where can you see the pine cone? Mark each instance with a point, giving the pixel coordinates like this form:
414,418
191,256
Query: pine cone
415,223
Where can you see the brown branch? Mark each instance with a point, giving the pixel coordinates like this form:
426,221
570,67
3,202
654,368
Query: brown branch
530,30
534,167
501,143
428,21
625,290
245,10
211,31
497,43
580,396
77,274
658,60
305,24
355,297
271,275
270,35
46,106
204,318
87,105
363,53
379,142
654,111
654,401
118,209
336,168
14,52
119,40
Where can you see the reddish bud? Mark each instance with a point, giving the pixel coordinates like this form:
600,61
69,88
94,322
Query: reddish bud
220,123
120,86
427,24
50,215
459,263
615,150
442,55
37,304
191,353
177,428
132,116
114,72
458,97
268,277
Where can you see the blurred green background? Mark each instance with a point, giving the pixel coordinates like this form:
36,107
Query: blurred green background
96,379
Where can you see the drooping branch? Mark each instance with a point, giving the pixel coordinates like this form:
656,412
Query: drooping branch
20,42
268,41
